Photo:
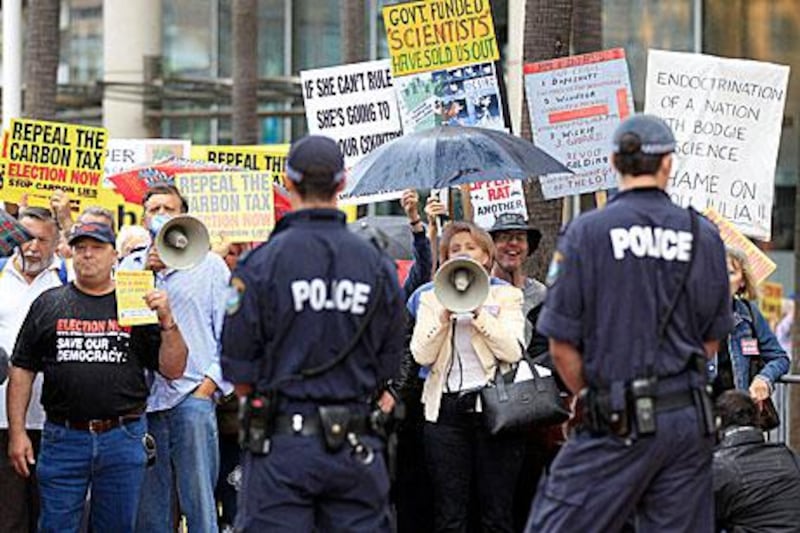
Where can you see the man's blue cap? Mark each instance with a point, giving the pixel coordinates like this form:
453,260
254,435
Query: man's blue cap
655,136
315,154
92,230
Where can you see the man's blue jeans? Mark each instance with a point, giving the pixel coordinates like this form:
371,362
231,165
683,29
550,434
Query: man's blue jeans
187,451
111,463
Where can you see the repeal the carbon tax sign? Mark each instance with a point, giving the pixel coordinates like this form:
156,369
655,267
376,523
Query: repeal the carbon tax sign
265,157
727,116
234,206
41,156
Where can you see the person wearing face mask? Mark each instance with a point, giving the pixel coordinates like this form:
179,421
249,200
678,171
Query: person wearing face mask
32,270
461,353
94,393
181,413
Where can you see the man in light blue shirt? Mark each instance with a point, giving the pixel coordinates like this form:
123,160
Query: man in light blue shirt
181,413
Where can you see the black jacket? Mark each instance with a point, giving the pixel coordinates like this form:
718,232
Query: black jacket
756,484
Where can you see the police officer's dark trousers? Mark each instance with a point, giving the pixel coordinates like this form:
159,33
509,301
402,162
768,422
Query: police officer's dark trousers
300,487
597,483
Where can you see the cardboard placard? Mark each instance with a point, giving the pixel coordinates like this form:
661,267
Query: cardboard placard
40,157
132,286
727,116
234,206
575,104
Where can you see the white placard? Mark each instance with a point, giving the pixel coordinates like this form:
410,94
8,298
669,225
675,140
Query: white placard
575,104
727,116
491,199
125,154
353,104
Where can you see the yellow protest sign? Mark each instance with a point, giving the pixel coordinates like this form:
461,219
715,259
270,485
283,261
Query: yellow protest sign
439,34
760,264
770,301
234,206
132,286
41,156
267,157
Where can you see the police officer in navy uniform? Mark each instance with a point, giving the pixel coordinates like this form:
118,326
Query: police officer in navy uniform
637,300
313,334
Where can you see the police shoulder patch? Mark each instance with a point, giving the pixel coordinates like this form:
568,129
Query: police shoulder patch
554,270
233,300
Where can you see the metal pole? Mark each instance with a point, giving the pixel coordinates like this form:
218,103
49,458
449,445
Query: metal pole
288,47
12,61
214,53
697,6
373,14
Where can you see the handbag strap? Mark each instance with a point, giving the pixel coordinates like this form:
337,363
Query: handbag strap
500,384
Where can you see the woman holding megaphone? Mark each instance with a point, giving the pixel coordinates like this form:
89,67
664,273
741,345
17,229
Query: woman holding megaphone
466,324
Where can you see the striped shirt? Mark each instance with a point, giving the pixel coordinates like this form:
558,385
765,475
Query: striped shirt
17,297
197,299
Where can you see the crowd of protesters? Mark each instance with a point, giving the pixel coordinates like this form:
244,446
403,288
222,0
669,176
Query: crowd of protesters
151,440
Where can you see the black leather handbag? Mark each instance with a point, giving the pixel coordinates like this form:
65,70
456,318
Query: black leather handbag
768,417
509,405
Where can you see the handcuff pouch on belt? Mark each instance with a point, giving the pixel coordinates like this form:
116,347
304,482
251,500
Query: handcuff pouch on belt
605,411
612,411
335,422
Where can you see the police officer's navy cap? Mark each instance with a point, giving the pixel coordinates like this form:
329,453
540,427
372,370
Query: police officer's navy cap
92,230
315,154
516,222
654,134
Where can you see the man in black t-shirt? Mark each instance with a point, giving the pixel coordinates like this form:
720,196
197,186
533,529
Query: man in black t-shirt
94,390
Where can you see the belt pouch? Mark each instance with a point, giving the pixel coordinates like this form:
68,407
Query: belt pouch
335,420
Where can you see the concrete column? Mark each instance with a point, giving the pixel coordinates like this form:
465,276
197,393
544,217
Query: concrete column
12,60
131,32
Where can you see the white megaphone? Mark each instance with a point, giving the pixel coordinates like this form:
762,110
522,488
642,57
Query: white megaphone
182,242
461,284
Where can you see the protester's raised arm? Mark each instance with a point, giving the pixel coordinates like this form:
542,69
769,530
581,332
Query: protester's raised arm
173,351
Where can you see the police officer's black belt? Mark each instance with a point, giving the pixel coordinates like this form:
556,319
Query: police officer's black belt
311,425
674,400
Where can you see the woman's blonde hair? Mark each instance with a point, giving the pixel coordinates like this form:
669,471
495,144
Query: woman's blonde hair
479,235
749,288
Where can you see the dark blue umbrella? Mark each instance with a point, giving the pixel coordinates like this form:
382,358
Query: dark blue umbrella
449,155
392,233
